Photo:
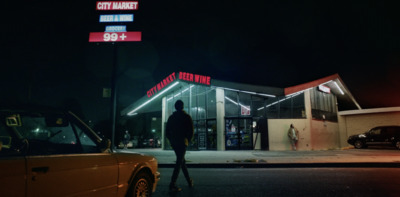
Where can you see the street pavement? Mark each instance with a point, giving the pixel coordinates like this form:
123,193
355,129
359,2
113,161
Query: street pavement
347,157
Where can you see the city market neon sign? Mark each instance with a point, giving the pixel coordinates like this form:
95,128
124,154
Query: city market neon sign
161,85
181,76
117,5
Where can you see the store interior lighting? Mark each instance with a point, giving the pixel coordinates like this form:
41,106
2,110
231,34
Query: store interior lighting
247,108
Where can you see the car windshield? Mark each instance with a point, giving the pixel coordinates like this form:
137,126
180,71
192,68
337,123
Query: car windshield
48,133
375,131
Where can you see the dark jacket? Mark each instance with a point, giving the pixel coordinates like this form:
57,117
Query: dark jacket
179,129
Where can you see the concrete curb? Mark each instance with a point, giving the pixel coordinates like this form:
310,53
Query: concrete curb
288,165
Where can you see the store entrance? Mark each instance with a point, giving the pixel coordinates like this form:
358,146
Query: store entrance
239,134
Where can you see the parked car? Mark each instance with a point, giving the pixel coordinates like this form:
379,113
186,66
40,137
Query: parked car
383,135
54,153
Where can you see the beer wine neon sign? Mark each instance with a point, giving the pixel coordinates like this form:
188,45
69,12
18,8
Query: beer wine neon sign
181,76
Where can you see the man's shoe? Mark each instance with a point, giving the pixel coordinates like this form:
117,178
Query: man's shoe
174,188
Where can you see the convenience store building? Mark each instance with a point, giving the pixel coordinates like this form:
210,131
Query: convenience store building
236,116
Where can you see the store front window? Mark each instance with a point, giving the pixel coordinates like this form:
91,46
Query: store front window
199,103
238,133
282,107
238,121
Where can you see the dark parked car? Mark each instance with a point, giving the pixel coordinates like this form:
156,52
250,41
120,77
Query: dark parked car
383,135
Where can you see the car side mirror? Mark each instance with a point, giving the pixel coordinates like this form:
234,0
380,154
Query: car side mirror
14,120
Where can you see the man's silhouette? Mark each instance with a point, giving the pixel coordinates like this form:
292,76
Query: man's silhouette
179,132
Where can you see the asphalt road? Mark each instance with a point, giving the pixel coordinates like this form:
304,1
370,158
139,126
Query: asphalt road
264,182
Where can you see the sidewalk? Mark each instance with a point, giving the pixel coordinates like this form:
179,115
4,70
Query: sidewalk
261,158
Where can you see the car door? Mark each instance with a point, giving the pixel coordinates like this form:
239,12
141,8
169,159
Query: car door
72,175
12,163
376,136
62,160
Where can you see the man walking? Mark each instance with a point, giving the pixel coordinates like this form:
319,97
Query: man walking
179,132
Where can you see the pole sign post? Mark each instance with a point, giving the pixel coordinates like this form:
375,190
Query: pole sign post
115,33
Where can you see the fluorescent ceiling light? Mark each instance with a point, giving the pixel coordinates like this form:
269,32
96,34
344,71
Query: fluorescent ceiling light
338,88
237,103
147,102
249,92
287,97
176,95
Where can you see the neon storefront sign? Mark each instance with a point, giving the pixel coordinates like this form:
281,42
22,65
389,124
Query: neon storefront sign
181,76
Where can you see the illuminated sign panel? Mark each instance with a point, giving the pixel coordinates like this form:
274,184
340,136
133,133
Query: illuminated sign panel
245,110
116,18
117,5
115,36
194,78
116,28
325,89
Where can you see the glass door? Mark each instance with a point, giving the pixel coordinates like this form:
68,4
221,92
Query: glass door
211,134
239,134
246,134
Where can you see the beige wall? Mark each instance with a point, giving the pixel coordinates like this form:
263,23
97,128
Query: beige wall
324,135
277,134
313,134
352,124
319,135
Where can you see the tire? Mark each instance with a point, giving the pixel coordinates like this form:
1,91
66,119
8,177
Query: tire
397,144
359,144
141,186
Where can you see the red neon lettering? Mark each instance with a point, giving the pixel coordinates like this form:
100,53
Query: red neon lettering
190,77
161,85
208,82
173,75
185,76
202,79
103,5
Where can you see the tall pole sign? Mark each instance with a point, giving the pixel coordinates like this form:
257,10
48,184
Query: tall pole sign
113,34
116,33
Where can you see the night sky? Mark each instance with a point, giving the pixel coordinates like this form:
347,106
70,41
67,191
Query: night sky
49,60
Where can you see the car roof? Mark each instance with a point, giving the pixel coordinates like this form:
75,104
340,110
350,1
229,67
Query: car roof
30,108
397,126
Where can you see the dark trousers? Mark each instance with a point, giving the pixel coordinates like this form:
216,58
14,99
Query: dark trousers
180,164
